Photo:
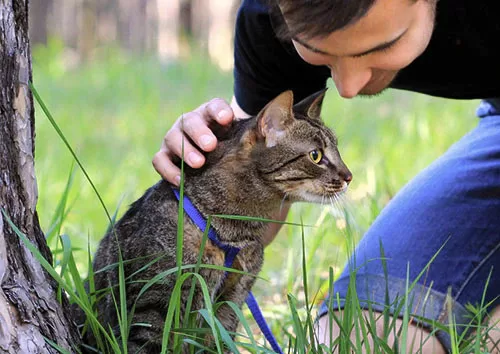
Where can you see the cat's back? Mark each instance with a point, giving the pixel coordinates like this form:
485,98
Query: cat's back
148,226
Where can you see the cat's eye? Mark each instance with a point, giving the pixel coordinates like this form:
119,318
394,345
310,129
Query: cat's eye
316,156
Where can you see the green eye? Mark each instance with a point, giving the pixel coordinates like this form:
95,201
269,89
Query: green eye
316,156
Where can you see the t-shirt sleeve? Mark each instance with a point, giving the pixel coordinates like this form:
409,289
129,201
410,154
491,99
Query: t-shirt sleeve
264,66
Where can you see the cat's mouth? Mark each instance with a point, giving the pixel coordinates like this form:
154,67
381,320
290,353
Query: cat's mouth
337,188
343,188
325,195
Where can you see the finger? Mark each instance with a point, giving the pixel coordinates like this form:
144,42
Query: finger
195,127
174,141
166,168
219,110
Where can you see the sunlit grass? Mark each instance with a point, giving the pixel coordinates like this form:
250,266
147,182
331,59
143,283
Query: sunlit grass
115,111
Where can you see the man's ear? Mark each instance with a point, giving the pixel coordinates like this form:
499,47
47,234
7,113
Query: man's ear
273,119
311,105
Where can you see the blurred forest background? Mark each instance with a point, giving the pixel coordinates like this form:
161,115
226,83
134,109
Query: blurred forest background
115,74
166,28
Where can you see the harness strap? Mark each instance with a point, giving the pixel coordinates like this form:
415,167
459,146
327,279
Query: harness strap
230,254
261,321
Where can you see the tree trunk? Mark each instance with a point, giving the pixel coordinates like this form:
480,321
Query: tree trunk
132,25
168,29
29,311
88,25
64,21
39,11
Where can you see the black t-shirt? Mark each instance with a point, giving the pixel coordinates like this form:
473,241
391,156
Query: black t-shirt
462,60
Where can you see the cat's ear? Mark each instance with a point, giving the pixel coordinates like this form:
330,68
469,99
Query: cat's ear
273,119
311,105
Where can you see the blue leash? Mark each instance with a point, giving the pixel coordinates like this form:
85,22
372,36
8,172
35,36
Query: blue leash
230,255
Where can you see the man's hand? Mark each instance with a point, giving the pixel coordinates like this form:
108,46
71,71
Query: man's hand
194,125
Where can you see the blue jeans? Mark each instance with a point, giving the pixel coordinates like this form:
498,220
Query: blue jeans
451,210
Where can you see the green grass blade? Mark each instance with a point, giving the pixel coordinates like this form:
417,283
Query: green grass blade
173,307
67,252
451,321
60,212
243,322
257,219
197,269
57,347
309,324
406,314
195,344
296,323
123,318
225,337
68,146
180,232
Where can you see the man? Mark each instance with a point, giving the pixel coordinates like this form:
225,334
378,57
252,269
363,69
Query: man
449,48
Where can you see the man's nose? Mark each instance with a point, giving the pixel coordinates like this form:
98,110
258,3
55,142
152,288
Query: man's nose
349,77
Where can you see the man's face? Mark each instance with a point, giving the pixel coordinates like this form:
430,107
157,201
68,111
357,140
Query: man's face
366,56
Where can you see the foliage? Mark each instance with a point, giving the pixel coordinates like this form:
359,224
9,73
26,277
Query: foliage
114,112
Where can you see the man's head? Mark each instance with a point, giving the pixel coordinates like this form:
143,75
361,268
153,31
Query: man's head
363,42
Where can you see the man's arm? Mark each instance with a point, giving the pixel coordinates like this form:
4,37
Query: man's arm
237,110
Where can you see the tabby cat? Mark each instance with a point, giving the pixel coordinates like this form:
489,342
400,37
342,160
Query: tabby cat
284,154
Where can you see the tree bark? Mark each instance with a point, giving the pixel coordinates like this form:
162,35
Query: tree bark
29,311
39,11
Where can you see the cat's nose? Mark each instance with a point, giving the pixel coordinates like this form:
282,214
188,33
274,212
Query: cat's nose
347,176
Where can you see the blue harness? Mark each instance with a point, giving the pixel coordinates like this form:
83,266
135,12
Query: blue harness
230,253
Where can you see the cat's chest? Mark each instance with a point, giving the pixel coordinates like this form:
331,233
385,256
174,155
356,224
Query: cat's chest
235,285
248,260
248,263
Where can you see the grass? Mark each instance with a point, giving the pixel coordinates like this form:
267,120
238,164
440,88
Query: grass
114,112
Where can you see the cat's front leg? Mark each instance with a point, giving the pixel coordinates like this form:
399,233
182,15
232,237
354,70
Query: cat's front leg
146,336
146,332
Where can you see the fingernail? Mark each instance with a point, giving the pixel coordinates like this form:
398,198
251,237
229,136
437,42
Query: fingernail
194,158
224,114
205,140
177,180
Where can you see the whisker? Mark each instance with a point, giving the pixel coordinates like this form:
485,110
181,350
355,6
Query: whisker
343,202
332,203
283,201
335,202
339,203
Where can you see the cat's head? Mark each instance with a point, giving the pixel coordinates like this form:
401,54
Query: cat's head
295,152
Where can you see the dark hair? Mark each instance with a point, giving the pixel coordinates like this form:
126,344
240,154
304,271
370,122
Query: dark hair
315,18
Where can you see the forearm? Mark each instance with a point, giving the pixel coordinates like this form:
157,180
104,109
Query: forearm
274,228
238,112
